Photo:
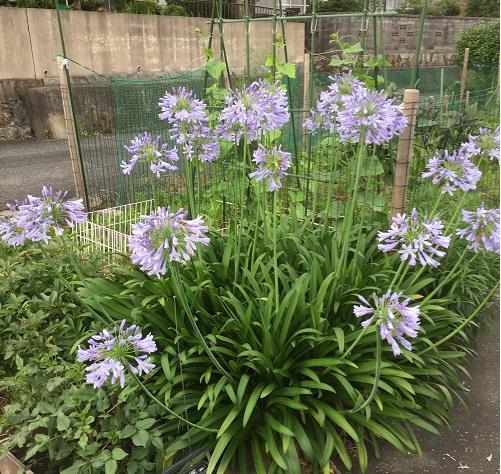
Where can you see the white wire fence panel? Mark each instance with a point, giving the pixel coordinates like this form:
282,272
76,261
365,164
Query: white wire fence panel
107,230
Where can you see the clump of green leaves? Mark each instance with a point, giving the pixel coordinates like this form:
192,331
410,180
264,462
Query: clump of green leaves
483,8
68,427
483,41
338,6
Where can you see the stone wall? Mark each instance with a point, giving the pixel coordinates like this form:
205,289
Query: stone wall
400,38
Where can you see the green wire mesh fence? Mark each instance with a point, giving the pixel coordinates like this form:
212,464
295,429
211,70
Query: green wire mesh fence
112,111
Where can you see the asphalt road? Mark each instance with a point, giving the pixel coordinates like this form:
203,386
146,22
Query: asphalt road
28,165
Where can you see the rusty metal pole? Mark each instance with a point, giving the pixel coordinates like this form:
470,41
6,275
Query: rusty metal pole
404,153
70,128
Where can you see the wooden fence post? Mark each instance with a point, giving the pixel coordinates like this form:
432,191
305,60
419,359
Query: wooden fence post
464,73
404,153
70,128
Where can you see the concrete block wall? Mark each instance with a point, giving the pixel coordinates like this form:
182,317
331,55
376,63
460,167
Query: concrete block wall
400,38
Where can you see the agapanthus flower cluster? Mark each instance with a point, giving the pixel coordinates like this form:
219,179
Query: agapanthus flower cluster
144,149
272,164
371,114
188,118
331,102
163,237
452,171
262,107
395,318
482,229
112,351
485,144
415,240
37,218
351,108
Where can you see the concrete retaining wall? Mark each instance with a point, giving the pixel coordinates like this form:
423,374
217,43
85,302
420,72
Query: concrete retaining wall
124,45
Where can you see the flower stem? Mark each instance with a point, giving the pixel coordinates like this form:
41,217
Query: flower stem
451,274
275,256
184,301
462,325
355,342
165,407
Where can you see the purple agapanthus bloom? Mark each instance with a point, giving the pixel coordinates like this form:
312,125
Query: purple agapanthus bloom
182,107
332,101
415,240
188,118
452,171
37,217
482,229
272,165
395,318
113,351
144,148
370,113
351,108
485,144
165,236
262,107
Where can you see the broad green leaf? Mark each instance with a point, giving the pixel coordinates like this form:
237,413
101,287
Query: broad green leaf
215,68
118,454
62,421
145,423
141,438
110,466
288,69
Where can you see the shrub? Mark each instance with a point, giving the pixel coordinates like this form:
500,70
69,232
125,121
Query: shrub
483,41
35,4
174,10
483,8
437,8
444,8
339,6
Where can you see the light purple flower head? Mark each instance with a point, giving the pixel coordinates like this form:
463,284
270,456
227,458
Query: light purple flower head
452,171
188,118
144,149
332,101
395,318
482,229
165,236
38,217
371,114
262,107
272,165
182,107
112,351
415,240
486,144
351,108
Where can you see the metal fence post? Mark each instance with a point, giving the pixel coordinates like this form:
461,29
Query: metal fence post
404,153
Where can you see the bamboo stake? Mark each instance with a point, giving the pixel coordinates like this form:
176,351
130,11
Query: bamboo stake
306,95
467,100
70,128
404,153
464,73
